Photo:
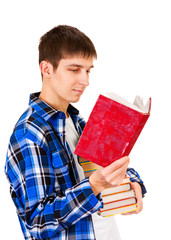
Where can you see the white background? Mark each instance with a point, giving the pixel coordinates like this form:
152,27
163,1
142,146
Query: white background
133,41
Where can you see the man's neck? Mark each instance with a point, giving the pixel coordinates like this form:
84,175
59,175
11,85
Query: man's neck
54,102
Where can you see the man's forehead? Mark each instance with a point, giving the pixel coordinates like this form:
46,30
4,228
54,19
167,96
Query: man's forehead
78,62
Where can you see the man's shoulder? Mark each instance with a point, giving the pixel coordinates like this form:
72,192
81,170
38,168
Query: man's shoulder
29,124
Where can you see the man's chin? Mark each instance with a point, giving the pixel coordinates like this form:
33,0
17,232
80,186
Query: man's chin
76,99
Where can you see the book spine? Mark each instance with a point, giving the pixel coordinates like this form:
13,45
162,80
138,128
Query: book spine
116,190
119,200
88,167
120,207
119,203
117,196
129,147
121,210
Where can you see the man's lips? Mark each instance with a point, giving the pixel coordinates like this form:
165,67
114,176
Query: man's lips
78,91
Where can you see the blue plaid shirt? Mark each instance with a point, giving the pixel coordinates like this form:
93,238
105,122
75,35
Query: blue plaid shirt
51,201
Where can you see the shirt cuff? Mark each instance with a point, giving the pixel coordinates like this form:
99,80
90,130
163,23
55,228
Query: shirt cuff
135,177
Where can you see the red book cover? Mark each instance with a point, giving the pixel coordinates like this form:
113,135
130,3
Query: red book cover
111,131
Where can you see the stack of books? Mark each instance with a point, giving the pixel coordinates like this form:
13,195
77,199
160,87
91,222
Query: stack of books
88,167
119,199
116,200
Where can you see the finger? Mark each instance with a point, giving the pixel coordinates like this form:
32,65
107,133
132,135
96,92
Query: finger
116,165
138,195
115,178
140,205
121,170
130,213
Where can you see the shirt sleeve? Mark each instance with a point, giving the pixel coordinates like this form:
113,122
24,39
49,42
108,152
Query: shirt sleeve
35,190
135,177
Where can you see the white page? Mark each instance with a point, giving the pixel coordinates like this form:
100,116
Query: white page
138,104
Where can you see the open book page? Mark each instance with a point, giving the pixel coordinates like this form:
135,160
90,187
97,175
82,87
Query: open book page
138,104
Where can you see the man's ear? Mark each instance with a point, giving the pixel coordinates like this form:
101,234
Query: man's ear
46,69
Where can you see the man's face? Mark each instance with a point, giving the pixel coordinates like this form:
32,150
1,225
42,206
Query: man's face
71,78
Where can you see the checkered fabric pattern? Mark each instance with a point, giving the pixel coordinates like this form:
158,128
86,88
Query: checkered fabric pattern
51,201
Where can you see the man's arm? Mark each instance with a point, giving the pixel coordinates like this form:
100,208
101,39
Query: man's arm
36,192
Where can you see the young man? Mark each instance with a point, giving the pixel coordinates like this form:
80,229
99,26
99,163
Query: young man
47,184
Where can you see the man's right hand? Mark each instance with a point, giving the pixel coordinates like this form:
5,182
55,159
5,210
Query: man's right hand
110,176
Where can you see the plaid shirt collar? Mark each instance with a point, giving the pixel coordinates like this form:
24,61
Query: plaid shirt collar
45,110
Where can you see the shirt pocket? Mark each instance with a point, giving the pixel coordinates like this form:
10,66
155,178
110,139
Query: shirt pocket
61,165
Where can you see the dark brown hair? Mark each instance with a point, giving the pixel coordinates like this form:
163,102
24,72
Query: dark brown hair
64,42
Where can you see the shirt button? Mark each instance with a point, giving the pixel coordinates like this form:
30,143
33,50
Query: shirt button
61,134
60,114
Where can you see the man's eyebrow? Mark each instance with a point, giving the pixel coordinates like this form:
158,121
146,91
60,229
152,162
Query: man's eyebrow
78,65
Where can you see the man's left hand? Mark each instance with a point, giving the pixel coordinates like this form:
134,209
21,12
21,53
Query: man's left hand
138,194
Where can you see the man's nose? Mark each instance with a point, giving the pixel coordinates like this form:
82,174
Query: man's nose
84,79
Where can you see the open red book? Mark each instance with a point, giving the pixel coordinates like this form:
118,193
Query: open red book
112,129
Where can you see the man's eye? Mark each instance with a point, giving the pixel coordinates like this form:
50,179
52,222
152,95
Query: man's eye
74,70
